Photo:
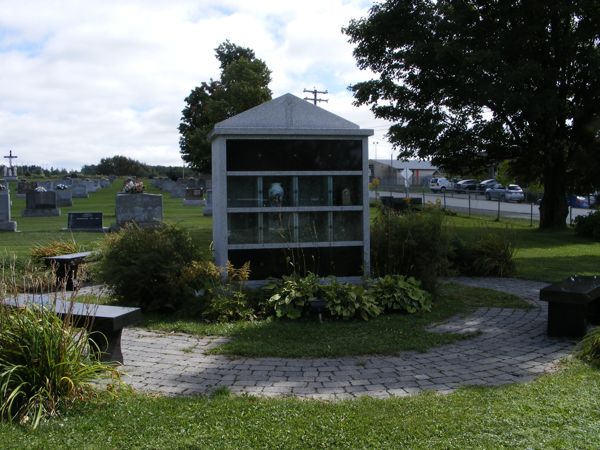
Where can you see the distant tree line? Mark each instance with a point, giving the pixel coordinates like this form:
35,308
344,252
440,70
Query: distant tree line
39,171
123,166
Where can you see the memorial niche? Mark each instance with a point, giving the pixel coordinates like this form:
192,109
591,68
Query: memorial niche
289,184
271,209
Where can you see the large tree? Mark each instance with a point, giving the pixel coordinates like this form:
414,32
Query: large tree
472,83
244,83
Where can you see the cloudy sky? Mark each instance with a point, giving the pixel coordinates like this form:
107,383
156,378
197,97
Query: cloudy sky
83,80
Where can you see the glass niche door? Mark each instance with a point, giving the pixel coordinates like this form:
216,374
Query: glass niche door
290,191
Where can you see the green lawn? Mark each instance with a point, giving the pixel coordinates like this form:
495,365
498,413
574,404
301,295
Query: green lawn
389,334
560,411
541,255
40,230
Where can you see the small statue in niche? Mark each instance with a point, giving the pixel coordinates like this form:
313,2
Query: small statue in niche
276,194
346,197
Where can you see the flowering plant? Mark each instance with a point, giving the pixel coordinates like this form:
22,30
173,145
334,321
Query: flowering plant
131,187
40,189
61,187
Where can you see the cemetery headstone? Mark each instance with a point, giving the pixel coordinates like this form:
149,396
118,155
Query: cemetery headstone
5,223
208,207
177,190
24,186
64,195
194,196
79,191
144,209
40,204
85,221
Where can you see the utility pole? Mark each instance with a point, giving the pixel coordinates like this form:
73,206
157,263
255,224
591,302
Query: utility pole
314,92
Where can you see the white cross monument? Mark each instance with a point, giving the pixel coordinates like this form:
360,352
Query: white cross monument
10,172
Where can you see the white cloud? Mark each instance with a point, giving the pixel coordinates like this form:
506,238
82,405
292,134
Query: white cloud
85,80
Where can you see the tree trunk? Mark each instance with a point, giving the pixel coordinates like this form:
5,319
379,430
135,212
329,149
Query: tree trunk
554,208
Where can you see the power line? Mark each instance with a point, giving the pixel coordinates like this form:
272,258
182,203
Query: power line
314,92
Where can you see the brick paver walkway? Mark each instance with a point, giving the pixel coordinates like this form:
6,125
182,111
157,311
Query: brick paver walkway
512,347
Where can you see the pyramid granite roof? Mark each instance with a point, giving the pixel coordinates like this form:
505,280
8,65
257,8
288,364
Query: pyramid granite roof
287,115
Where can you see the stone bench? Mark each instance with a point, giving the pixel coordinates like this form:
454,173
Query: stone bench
572,304
66,267
108,320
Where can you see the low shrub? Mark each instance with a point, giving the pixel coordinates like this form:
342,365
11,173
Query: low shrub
290,296
589,348
45,364
226,300
346,301
588,226
396,293
145,266
414,244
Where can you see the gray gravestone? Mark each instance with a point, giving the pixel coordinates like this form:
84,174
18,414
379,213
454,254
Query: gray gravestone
24,186
64,197
208,208
143,209
79,191
40,204
85,221
5,223
194,197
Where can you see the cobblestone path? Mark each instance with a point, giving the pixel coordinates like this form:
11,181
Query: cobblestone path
511,346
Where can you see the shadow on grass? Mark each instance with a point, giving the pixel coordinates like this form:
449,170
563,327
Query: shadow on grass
553,268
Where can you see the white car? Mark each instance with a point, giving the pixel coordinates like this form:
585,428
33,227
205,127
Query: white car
510,193
440,184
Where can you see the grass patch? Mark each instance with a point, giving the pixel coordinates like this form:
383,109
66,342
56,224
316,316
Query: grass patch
41,230
540,255
555,411
384,335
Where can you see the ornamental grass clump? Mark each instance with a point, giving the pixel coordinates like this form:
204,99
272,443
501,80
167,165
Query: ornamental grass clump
46,363
589,348
411,243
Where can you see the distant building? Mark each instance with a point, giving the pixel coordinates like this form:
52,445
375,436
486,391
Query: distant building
396,172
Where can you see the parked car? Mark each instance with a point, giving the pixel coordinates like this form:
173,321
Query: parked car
510,193
466,185
440,184
578,201
486,184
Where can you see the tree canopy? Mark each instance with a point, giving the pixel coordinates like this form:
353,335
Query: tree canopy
470,83
244,83
118,165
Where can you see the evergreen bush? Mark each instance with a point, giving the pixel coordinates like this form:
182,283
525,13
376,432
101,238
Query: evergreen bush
588,226
145,266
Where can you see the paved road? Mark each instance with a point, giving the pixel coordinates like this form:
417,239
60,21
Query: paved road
512,347
478,204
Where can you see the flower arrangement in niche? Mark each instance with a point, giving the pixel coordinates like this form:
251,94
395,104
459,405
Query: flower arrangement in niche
132,187
61,187
40,189
2,187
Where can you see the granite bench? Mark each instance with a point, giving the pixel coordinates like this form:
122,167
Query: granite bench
66,267
572,304
108,320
